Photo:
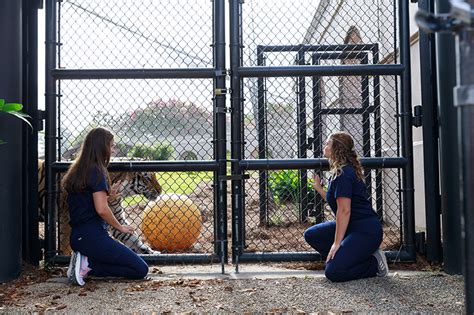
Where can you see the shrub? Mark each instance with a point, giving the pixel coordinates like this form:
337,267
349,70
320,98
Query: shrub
285,186
162,151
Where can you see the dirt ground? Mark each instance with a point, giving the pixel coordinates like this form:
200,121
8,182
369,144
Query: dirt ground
263,288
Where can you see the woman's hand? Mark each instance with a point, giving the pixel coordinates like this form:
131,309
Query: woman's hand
126,229
115,191
332,251
317,183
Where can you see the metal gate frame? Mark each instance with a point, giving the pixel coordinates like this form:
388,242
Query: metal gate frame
218,165
240,165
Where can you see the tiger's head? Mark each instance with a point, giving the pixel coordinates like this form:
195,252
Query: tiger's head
137,183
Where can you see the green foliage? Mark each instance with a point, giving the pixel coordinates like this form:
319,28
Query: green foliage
162,151
285,186
14,109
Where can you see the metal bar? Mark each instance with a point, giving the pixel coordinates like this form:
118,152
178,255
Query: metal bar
341,55
347,111
290,48
341,70
392,256
464,101
430,140
302,141
279,256
366,147
378,135
161,259
408,206
31,247
321,164
220,129
50,131
236,101
449,160
262,139
154,166
11,132
106,74
318,210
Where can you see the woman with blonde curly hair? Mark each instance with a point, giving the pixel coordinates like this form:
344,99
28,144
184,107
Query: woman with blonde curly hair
351,242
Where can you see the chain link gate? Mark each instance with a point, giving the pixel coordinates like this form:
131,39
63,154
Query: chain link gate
153,72
311,69
317,67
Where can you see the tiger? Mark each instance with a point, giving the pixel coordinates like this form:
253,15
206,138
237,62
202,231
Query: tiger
132,183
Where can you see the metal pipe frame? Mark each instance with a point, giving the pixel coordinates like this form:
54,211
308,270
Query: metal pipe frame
344,70
106,74
236,101
50,129
392,256
31,246
220,223
408,206
320,163
430,140
162,259
464,101
449,149
149,166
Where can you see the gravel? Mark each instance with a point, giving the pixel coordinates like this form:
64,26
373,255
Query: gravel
256,289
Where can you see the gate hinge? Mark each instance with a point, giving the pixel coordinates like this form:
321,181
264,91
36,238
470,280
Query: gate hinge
417,119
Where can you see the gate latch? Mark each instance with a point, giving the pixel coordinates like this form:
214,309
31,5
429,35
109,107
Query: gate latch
417,119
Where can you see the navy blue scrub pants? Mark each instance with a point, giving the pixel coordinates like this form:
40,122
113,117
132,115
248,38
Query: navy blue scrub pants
354,258
106,257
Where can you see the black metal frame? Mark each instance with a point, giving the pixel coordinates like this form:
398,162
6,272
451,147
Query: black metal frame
320,52
218,166
239,164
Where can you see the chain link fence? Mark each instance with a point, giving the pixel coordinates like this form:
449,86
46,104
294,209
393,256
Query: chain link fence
291,117
283,117
152,119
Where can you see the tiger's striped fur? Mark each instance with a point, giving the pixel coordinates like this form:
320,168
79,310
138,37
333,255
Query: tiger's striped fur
132,183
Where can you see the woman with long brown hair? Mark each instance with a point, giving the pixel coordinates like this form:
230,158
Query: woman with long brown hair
88,187
351,242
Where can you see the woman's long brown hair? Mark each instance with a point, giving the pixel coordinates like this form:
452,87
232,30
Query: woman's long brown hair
343,153
95,152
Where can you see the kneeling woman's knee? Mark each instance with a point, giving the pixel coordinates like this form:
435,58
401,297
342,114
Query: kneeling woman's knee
142,270
334,274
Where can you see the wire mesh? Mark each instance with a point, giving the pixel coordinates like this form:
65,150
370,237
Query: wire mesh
152,119
173,118
287,118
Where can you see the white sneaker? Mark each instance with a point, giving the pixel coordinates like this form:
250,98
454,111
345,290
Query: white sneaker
74,267
71,264
76,277
382,265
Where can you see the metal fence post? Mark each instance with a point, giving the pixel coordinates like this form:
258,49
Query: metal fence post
406,130
449,167
464,100
220,128
11,132
50,130
430,140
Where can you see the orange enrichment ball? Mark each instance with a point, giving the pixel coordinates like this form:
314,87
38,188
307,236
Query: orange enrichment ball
172,223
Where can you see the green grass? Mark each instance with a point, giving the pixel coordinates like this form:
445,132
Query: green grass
181,183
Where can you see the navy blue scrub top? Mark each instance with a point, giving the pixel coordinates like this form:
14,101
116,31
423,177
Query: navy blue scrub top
350,186
81,205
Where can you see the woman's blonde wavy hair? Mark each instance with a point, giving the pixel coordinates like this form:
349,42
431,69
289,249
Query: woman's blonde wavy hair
342,154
